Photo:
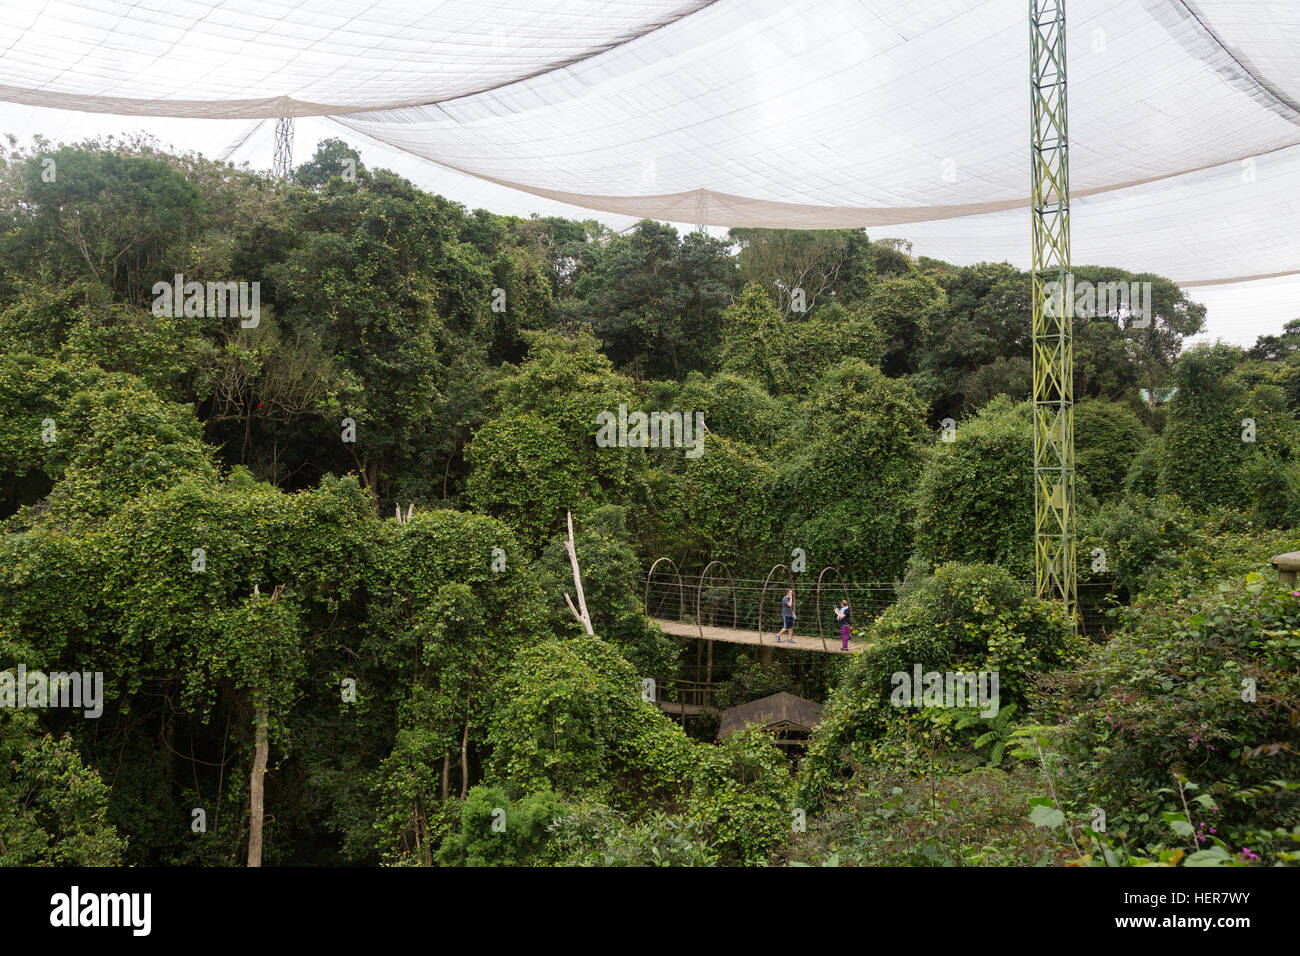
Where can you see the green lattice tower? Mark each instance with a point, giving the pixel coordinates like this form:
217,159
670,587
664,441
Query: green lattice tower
1054,541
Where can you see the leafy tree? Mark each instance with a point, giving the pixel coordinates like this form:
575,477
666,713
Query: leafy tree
494,831
905,308
975,496
53,808
734,407
381,281
99,215
334,162
611,581
1107,438
845,488
824,265
571,716
1168,698
964,619
453,601
1204,454
741,793
653,299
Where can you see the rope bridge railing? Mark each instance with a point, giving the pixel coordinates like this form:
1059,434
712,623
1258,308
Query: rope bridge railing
718,599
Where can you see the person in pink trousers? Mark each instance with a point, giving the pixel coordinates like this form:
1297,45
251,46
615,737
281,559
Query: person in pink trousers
845,617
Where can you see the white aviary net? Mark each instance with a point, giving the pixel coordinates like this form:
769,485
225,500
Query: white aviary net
908,118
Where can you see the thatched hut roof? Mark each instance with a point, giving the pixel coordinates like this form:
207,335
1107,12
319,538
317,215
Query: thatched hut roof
779,711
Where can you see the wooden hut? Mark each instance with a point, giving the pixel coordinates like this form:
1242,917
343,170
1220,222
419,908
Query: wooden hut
791,718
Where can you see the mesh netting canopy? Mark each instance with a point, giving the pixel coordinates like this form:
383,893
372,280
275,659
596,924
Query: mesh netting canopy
1184,114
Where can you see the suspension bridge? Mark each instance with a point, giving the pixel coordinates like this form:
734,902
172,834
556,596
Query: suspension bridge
719,607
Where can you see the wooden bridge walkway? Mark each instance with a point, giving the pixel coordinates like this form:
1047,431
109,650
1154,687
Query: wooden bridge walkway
731,635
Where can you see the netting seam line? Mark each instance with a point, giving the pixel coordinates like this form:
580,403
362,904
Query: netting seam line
1254,278
573,61
1280,99
846,216
275,107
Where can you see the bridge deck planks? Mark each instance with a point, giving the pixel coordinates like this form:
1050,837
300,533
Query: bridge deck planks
736,636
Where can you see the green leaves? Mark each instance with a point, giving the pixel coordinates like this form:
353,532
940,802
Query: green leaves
1178,823
1043,813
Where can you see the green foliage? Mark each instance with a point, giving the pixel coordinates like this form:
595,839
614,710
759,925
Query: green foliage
904,308
788,353
826,265
741,793
974,500
539,458
948,819
53,808
525,473
1143,476
570,715
496,832
1198,681
611,580
718,506
1231,439
105,216
1142,537
180,512
964,619
653,299
1107,438
592,834
735,408
846,483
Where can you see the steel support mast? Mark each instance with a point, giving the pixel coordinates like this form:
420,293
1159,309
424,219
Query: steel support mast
1054,535
283,163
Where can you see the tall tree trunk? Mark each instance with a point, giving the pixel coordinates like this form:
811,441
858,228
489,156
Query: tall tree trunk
256,805
464,761
372,483
446,775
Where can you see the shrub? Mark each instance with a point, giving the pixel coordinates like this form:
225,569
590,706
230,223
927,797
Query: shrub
1200,684
965,618
973,500
494,831
592,834
570,716
1107,438
741,795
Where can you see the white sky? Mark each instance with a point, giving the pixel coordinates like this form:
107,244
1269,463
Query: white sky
1238,313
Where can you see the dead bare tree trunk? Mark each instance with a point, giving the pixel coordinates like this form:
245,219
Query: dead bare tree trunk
256,805
580,612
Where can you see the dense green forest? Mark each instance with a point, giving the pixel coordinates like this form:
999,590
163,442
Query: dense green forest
319,554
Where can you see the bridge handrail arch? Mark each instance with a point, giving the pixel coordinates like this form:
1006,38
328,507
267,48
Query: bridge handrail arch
681,587
699,596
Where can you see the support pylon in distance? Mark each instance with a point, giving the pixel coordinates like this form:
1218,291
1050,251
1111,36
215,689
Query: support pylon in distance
283,164
1054,533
